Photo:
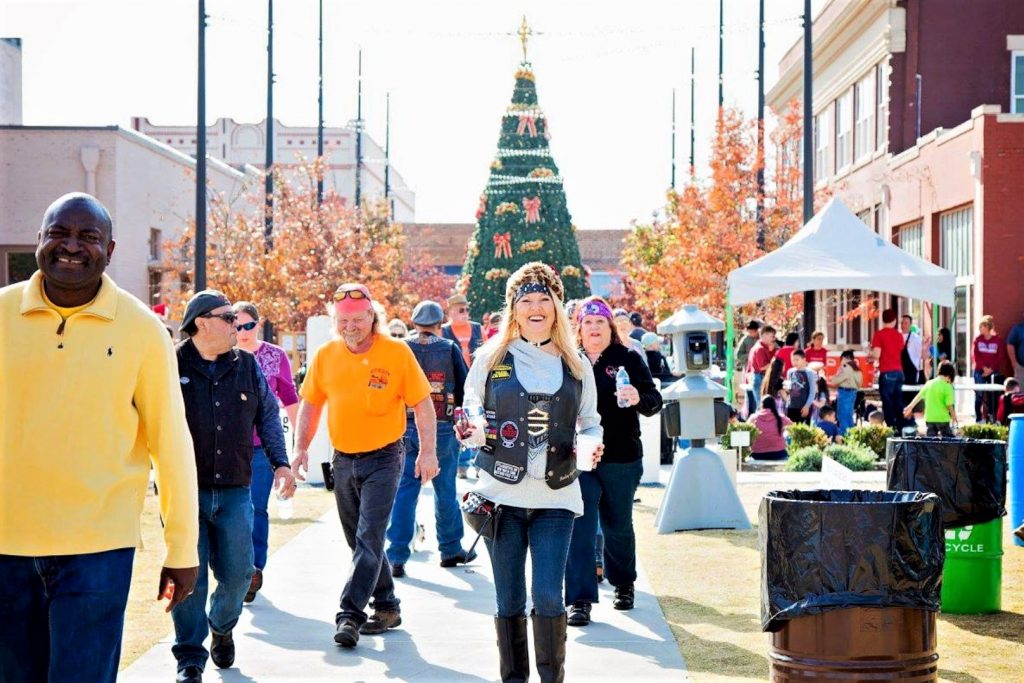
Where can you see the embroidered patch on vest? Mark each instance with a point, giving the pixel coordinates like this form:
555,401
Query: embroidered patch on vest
509,432
506,471
501,372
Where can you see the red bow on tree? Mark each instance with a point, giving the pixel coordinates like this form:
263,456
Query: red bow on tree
532,207
482,209
527,122
503,245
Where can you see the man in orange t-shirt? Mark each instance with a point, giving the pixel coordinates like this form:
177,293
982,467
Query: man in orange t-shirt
461,330
368,380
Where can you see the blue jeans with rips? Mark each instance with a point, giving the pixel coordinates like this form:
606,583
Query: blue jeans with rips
890,390
262,483
546,533
365,485
63,616
447,514
608,494
225,547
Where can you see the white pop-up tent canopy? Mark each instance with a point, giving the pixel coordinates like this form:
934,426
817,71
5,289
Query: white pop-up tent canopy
836,250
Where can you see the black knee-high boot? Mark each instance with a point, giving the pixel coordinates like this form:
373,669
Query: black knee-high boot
549,647
513,649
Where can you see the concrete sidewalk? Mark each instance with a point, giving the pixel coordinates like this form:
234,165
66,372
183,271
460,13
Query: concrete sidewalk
447,631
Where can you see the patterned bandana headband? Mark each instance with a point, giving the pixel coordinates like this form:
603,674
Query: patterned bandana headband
594,308
530,288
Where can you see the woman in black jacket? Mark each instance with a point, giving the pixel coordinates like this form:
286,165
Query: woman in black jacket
608,490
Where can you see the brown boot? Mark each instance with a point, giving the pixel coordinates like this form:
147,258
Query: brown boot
513,649
549,647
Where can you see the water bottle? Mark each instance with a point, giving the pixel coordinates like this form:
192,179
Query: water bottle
285,507
621,380
473,410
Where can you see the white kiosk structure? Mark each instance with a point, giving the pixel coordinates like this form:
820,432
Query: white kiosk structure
700,493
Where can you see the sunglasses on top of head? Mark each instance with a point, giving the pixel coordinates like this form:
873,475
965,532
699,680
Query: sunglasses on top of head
229,318
350,294
251,325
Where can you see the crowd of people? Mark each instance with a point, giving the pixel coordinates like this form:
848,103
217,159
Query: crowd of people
547,376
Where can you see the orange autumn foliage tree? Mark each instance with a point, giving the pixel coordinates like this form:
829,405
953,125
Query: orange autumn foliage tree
711,226
313,251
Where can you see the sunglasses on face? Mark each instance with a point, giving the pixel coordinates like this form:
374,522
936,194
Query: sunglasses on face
229,318
350,294
251,325
461,309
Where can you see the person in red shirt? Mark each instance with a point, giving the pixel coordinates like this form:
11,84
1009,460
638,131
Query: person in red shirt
816,352
989,354
786,352
758,360
887,350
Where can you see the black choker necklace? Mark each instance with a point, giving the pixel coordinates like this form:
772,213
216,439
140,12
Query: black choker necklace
537,344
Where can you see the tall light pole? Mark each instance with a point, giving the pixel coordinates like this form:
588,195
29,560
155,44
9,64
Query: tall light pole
268,186
673,185
359,132
200,241
320,114
387,156
809,310
760,127
693,110
721,53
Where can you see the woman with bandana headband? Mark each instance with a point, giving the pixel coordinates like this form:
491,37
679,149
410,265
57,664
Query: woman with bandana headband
608,490
537,393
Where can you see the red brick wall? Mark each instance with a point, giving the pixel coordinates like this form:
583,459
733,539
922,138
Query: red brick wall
1003,274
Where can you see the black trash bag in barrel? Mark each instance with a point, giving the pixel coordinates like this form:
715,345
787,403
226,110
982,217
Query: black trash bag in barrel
968,475
825,550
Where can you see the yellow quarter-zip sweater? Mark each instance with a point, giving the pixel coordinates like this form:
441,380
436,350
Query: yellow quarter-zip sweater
85,403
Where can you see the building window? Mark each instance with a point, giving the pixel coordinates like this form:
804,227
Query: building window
864,111
17,264
155,245
844,130
156,278
820,147
1017,83
912,239
881,105
956,232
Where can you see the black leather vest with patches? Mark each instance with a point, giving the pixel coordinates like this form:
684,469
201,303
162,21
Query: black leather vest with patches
520,422
434,354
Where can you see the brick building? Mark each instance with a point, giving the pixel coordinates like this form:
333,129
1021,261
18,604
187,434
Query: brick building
909,131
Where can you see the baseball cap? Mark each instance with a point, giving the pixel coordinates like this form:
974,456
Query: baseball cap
427,313
352,297
201,303
648,339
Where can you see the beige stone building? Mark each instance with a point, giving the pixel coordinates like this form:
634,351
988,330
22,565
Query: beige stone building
241,144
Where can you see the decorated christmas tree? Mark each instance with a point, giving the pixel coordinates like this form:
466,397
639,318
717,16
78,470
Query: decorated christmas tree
522,215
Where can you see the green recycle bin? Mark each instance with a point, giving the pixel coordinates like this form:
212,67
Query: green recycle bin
973,574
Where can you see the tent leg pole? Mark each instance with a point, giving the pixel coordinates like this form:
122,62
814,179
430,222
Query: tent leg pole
935,339
730,360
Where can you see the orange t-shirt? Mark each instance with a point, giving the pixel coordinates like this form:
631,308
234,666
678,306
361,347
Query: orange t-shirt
366,393
464,333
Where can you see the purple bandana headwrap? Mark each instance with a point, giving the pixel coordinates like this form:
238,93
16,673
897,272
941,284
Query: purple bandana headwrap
593,308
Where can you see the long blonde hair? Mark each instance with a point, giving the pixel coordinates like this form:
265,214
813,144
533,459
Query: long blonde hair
508,331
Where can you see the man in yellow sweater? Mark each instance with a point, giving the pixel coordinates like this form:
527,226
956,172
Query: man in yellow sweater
88,397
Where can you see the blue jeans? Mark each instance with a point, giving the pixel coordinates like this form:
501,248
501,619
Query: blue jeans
63,616
607,496
845,401
546,534
466,455
446,505
890,390
988,399
225,547
262,483
365,485
754,395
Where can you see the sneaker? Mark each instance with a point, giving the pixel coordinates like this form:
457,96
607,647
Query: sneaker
462,558
222,649
190,674
381,621
623,597
397,571
463,472
579,614
254,586
347,633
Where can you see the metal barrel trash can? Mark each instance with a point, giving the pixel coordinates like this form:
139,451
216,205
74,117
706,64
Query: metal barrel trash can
850,584
973,576
1016,448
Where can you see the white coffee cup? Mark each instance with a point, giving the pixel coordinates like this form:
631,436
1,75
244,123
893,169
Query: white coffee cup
586,444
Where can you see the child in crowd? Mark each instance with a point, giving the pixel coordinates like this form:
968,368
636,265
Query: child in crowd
847,382
821,396
786,352
803,385
876,418
771,442
939,402
1011,402
827,423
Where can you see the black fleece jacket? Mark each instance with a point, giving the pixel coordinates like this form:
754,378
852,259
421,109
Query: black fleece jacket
622,425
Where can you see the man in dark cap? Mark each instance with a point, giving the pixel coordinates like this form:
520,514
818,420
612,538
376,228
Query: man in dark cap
442,363
226,397
636,319
87,401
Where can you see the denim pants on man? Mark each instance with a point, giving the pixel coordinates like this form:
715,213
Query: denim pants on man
365,485
546,533
890,390
262,483
225,548
447,514
608,494
63,616
846,399
754,395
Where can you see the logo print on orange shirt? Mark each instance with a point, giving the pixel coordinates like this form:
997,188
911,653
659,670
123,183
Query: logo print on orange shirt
379,378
